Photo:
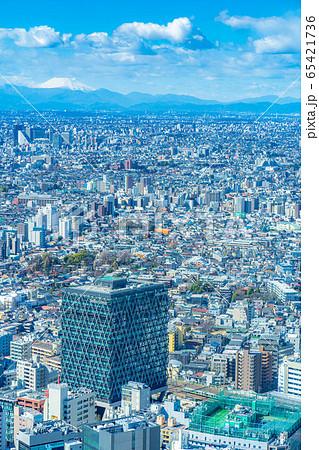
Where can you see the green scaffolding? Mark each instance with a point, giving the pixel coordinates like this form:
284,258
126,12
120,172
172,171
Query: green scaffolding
273,416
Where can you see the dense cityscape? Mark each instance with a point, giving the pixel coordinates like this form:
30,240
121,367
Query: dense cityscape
150,281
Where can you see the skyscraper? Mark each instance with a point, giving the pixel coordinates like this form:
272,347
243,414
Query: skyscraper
16,129
239,205
114,332
128,182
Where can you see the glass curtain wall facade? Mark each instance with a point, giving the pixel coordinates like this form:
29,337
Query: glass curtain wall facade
113,333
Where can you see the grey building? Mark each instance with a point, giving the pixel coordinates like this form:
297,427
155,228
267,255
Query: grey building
47,435
122,434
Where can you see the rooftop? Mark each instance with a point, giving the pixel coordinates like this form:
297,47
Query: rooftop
110,288
261,417
121,425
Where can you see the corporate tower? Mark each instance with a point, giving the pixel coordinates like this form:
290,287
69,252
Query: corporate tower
113,332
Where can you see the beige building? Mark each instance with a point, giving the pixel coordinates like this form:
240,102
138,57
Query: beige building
25,418
52,362
253,370
43,349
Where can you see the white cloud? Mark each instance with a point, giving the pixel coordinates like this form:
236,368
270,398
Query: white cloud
260,24
35,37
277,34
276,44
175,32
97,39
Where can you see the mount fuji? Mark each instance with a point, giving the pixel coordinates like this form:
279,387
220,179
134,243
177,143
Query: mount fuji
66,83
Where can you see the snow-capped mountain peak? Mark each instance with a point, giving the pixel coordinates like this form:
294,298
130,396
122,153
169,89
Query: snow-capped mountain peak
66,83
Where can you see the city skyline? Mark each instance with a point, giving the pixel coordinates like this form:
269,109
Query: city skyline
215,52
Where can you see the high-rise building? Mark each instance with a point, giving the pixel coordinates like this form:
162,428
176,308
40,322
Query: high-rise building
23,138
66,138
266,369
56,141
65,227
110,205
22,231
128,182
2,429
253,370
16,129
239,205
35,133
3,250
114,332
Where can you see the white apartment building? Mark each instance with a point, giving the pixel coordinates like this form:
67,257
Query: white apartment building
20,349
282,291
289,376
135,396
34,374
76,408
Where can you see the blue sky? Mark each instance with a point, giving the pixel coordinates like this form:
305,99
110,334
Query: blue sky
223,50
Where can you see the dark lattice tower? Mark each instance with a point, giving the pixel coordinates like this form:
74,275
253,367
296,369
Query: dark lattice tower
114,332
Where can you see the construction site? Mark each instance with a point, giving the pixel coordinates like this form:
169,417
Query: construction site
246,416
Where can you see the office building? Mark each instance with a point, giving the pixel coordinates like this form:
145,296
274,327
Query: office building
114,332
128,182
239,205
5,339
66,137
75,408
23,138
34,400
128,433
49,435
56,141
7,404
35,133
16,129
289,376
2,429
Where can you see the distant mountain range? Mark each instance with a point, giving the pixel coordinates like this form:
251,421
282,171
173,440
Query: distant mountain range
69,94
